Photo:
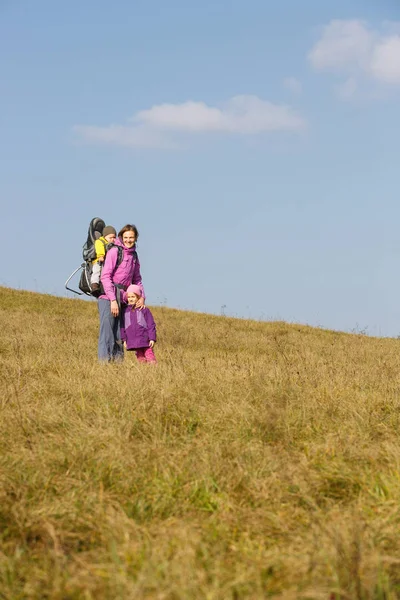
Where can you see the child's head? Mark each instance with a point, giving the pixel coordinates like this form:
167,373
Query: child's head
133,293
109,234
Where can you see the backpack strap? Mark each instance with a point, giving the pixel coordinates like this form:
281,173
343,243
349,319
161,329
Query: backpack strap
120,256
119,289
120,252
135,256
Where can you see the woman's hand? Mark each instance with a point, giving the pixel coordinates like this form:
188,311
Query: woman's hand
151,343
114,308
140,303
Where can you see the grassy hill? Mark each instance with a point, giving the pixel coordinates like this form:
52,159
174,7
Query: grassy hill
256,460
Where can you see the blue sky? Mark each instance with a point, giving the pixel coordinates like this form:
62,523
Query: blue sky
254,144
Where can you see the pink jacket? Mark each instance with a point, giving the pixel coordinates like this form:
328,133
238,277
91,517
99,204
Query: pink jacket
126,273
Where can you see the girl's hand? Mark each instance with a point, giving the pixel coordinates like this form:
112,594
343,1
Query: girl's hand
114,308
140,303
151,343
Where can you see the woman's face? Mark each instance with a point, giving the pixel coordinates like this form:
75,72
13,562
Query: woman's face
129,239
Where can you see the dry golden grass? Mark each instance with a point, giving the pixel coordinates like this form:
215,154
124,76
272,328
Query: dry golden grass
256,460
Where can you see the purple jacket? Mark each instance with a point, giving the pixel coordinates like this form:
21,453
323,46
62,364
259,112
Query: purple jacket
137,327
126,273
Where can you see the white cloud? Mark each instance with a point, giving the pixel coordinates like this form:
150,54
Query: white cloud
155,127
385,61
347,90
293,85
359,52
343,45
120,135
192,117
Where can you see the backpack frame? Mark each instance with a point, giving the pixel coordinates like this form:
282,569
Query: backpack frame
95,230
87,267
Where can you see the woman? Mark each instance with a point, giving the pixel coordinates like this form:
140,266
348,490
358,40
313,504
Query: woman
117,276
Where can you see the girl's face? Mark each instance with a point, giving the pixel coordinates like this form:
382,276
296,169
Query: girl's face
132,299
129,239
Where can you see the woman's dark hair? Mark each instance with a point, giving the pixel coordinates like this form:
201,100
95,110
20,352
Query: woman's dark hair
129,228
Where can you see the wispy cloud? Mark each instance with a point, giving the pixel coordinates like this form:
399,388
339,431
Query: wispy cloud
293,85
347,89
124,135
159,126
358,52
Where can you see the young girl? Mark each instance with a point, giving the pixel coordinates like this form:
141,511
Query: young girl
138,329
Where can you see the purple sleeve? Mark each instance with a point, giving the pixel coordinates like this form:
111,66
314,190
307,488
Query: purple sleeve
151,326
107,273
137,278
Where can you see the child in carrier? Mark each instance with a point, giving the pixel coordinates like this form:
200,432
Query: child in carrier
138,329
100,246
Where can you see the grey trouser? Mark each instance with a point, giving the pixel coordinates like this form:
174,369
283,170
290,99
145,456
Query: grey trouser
110,345
96,272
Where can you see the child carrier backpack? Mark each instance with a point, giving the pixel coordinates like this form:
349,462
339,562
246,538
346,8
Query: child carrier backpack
95,232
